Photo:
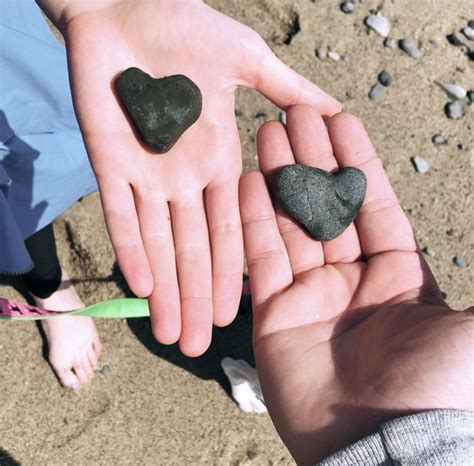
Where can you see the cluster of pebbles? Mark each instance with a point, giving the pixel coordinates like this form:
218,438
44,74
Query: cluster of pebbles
459,97
464,38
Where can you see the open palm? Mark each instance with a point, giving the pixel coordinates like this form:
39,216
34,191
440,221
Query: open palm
351,332
174,219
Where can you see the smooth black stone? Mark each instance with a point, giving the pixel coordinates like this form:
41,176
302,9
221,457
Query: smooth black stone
324,203
161,109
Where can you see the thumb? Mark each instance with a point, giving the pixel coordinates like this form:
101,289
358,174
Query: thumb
276,81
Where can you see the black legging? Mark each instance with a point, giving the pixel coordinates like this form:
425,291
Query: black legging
44,279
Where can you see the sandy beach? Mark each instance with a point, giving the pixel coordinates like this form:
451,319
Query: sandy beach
155,406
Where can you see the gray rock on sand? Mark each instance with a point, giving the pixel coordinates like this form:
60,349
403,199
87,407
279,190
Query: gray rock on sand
321,53
410,47
379,24
460,262
348,7
390,43
439,140
385,78
106,371
454,110
453,90
421,165
334,56
324,203
376,91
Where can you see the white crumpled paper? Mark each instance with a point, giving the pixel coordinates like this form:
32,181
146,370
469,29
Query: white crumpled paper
246,389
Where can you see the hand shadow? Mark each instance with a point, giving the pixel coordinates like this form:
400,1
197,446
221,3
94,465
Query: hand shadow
234,341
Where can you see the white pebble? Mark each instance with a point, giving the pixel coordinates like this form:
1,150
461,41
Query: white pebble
334,56
468,32
421,165
378,23
454,110
453,90
282,117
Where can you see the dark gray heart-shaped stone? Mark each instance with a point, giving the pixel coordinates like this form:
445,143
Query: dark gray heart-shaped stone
324,203
161,109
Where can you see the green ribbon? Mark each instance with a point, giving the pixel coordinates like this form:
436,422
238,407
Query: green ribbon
115,308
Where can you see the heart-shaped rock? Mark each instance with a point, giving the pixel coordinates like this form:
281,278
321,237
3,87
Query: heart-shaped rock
324,203
161,109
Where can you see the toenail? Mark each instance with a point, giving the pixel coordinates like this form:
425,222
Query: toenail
74,386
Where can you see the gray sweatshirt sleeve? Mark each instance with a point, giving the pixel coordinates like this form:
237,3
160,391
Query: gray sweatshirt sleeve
441,437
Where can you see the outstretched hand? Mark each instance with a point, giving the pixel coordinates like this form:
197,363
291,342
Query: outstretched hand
173,219
351,332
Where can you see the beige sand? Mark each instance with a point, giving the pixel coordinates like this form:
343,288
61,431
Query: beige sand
157,407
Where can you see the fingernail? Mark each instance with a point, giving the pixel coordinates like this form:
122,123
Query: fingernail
74,386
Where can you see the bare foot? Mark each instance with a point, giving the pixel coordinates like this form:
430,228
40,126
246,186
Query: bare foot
74,345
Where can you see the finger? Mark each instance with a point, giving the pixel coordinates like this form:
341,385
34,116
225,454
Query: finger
283,86
225,229
157,234
267,259
274,152
311,146
122,224
381,223
193,260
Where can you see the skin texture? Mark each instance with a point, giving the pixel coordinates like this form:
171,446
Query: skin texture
173,221
352,332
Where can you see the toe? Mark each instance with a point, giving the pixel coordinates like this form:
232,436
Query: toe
86,364
93,359
67,378
97,346
80,372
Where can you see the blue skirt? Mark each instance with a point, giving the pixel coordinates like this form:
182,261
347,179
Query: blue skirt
44,167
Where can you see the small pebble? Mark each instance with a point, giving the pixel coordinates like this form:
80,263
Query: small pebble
470,24
378,23
390,43
421,165
454,110
444,295
376,90
348,7
261,115
385,78
334,56
468,32
456,38
433,43
321,53
410,47
453,90
470,96
105,370
461,147
345,58
282,117
427,251
439,140
460,262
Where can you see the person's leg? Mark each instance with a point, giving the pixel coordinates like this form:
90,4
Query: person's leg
74,345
